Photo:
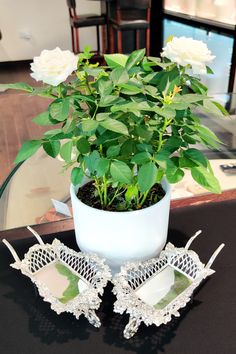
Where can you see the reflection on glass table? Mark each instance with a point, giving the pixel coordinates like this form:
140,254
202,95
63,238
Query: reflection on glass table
26,197
225,129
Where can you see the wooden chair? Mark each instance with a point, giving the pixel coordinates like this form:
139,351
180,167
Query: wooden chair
130,15
86,20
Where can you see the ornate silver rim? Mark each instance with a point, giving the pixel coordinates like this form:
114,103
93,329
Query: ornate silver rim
89,267
134,274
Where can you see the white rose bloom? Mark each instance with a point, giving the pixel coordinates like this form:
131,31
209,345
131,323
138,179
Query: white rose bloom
53,66
184,51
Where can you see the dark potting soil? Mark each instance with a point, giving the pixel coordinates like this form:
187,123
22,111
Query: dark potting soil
87,194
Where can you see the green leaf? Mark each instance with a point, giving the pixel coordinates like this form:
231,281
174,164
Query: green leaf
190,98
128,148
172,144
141,158
43,119
27,149
134,58
209,70
108,100
190,139
160,174
173,173
130,90
198,86
115,126
95,72
77,176
89,125
208,136
105,87
147,65
143,132
145,147
70,126
132,107
83,98
115,60
184,162
102,116
170,86
121,172
132,192
52,132
150,77
162,79
52,148
151,90
113,151
17,86
162,156
206,179
165,111
211,107
221,108
195,156
102,167
119,76
59,109
147,176
66,150
45,91
92,161
83,145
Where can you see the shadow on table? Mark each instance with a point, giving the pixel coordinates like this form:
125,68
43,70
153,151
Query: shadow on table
42,321
151,340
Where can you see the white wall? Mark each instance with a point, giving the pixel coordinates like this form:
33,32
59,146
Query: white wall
45,21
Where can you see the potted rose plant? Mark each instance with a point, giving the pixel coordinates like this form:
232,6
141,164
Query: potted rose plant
127,130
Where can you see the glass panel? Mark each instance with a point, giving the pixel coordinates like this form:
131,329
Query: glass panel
217,83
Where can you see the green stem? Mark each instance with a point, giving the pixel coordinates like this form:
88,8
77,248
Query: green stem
97,186
87,84
144,197
105,190
95,112
162,131
60,95
117,192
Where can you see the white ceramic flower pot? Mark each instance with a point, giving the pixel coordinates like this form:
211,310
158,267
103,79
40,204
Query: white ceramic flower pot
121,236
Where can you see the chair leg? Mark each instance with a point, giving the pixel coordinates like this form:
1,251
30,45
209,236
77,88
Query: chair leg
77,40
72,39
148,42
111,39
119,41
104,39
98,39
137,39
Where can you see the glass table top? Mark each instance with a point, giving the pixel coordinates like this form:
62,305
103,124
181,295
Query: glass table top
27,196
